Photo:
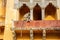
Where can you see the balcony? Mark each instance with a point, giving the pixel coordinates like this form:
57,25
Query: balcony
37,30
47,24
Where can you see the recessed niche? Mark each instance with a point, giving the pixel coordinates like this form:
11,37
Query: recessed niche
50,12
23,10
37,12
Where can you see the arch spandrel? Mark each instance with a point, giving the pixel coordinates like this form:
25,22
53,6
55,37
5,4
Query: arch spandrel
24,0
27,3
54,2
37,1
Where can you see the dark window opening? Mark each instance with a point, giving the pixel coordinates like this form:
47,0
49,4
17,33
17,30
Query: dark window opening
50,10
23,10
37,12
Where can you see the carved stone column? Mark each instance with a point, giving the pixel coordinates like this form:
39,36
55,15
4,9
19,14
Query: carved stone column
44,34
43,13
31,34
31,14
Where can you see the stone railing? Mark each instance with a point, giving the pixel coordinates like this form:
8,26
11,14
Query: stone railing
37,24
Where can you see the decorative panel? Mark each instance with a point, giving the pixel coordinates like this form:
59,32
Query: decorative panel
41,24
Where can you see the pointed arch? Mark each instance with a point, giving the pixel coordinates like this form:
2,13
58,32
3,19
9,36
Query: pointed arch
50,10
37,12
23,10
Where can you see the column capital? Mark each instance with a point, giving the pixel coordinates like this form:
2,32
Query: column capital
43,7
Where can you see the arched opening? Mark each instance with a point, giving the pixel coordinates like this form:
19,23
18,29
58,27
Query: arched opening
37,12
23,10
50,12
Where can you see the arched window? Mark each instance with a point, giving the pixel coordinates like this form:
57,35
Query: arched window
37,12
23,10
50,10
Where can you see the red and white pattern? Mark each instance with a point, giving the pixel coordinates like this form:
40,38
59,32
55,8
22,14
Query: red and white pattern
37,24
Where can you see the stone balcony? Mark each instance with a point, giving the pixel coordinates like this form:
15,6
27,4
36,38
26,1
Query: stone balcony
44,24
41,30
